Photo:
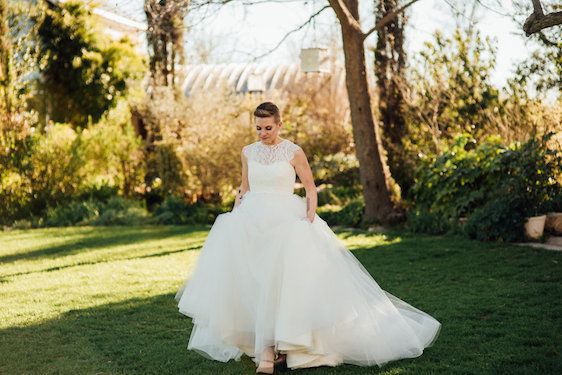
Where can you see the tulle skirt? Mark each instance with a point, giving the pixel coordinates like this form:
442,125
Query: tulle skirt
266,276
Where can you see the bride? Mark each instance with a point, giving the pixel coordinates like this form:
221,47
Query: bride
274,282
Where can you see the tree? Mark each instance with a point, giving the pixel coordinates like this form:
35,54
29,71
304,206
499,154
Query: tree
451,91
390,60
376,180
84,72
165,38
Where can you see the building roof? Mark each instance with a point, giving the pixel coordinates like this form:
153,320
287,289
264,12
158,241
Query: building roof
238,77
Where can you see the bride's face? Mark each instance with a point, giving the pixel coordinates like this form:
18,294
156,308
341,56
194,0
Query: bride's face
267,128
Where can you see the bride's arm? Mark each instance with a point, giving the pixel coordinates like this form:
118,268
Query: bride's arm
244,186
302,168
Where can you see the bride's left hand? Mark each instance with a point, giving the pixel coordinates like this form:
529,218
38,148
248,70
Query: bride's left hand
310,216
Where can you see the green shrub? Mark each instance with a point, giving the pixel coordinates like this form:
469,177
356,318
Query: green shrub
174,210
121,211
506,183
420,221
500,219
113,211
350,215
337,177
73,213
327,195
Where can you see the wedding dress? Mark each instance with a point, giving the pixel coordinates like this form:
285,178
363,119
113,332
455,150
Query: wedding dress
266,276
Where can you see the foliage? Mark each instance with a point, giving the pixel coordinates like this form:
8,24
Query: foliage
449,92
17,122
115,211
61,164
174,210
452,91
423,221
499,219
84,72
518,180
55,167
113,152
350,215
336,177
120,211
315,118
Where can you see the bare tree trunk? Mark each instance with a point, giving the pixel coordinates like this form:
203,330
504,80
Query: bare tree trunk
390,58
6,100
374,174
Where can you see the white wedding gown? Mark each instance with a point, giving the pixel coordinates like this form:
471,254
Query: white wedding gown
268,276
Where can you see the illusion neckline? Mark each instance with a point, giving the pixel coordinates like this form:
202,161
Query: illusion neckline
272,146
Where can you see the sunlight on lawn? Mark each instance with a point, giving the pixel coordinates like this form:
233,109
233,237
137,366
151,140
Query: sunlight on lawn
75,268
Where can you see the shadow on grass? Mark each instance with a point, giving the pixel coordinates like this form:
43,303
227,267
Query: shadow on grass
149,336
197,246
103,237
137,336
499,305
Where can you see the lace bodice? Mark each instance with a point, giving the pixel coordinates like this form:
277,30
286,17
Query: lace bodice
264,154
269,167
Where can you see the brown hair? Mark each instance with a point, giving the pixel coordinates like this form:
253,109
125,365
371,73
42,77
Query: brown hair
268,109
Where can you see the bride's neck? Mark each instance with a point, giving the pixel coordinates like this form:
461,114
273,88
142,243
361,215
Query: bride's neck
276,141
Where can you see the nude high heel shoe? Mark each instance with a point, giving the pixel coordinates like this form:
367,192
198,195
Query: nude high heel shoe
266,365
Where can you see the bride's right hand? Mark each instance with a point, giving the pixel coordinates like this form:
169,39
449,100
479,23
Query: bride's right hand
238,200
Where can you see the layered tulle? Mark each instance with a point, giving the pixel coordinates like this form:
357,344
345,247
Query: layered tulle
266,276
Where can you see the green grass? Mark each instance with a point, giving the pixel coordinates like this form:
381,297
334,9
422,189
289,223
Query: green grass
100,301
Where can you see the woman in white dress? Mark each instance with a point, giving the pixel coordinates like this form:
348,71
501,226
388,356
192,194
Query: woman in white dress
274,282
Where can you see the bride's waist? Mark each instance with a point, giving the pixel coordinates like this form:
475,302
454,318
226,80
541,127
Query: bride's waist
265,191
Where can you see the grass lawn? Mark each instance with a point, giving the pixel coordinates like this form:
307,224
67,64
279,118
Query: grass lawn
100,300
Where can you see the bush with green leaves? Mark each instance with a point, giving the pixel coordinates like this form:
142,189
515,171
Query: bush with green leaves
175,210
423,221
493,185
113,211
62,164
337,177
500,219
350,215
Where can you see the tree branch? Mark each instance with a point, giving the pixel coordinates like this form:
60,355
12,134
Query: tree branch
538,20
344,15
388,18
537,7
291,32
545,40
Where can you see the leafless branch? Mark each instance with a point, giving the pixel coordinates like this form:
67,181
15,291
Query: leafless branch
484,5
545,40
291,32
388,18
340,7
